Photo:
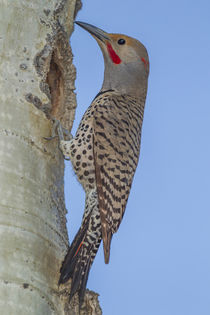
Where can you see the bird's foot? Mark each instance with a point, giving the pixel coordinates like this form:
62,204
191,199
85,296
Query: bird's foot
59,131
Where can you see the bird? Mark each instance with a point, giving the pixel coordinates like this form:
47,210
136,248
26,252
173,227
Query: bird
105,151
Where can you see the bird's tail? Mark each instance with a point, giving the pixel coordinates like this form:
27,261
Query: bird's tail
80,257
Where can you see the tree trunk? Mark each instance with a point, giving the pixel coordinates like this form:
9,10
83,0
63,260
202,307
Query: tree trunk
36,83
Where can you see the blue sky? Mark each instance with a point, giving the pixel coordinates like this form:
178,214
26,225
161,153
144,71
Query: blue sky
160,256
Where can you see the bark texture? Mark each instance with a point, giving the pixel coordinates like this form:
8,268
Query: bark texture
36,83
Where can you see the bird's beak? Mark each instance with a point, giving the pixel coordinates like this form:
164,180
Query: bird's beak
95,31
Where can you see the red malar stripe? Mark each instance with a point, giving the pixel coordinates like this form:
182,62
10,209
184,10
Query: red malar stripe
115,58
146,63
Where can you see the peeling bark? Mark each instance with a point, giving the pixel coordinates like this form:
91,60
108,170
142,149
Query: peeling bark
36,83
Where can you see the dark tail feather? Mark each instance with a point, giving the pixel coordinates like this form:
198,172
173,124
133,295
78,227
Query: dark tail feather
70,260
79,281
75,282
84,283
78,261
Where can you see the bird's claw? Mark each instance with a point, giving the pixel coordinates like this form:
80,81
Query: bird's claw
59,131
50,138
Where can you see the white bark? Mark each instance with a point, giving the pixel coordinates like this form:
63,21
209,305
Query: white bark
36,82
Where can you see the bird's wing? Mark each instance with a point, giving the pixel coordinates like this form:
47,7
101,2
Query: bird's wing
116,151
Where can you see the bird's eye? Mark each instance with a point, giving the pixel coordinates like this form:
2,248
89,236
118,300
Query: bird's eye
121,41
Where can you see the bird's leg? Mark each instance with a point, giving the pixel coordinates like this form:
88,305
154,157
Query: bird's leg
59,131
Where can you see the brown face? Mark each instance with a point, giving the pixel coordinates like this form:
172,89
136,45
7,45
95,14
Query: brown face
119,48
122,48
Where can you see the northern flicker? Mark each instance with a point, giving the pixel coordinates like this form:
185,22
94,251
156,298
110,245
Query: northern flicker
105,151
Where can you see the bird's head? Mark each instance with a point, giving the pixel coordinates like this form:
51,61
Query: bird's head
126,60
